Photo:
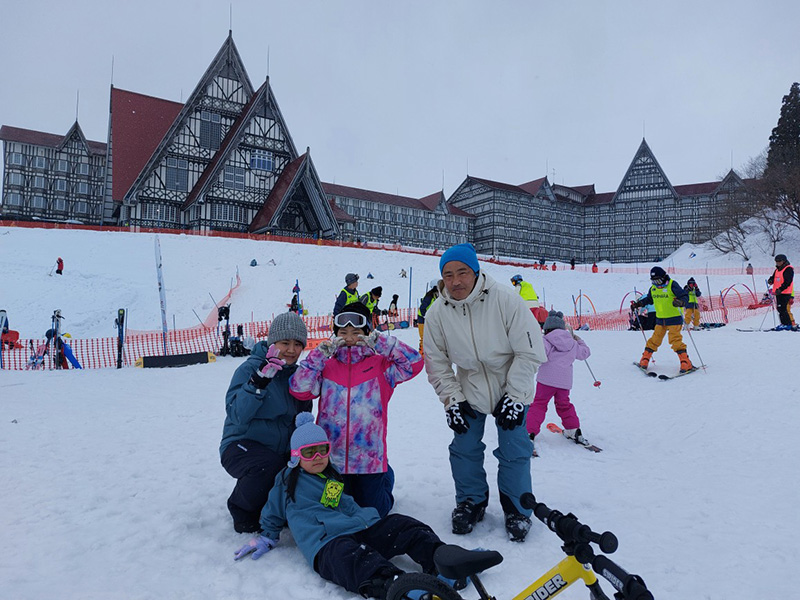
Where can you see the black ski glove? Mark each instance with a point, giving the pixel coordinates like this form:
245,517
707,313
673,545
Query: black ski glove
677,302
508,413
455,416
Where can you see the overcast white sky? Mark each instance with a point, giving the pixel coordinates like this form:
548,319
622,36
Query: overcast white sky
396,95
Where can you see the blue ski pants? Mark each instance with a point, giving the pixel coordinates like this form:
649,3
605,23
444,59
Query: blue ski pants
513,453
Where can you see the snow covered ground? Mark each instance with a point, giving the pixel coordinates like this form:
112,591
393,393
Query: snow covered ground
110,483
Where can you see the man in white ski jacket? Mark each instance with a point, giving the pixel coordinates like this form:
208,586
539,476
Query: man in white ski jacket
490,335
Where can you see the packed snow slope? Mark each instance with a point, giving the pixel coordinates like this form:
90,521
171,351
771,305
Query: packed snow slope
111,488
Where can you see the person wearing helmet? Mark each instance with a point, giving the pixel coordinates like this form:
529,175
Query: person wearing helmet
528,294
782,282
424,305
668,298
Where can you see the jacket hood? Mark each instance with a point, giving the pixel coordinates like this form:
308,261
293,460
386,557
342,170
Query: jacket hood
483,286
561,339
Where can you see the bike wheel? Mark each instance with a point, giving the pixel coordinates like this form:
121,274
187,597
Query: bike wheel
420,586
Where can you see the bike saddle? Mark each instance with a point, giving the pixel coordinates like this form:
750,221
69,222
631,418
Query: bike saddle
456,562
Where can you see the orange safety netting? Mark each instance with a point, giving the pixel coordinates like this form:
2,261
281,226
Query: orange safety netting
100,353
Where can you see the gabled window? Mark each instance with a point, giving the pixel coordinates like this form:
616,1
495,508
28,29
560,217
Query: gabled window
60,204
39,202
61,185
40,162
83,169
210,128
62,166
81,207
16,158
262,160
177,174
234,178
82,188
39,182
15,179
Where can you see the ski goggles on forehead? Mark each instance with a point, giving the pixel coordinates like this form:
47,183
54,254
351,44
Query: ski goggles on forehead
311,451
343,319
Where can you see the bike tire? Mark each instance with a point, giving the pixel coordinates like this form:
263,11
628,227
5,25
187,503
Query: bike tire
431,588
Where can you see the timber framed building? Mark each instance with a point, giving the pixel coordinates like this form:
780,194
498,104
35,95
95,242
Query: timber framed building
225,160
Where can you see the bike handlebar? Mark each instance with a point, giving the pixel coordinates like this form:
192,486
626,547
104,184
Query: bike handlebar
571,530
568,527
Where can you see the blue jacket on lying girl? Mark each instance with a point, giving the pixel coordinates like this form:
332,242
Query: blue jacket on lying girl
343,542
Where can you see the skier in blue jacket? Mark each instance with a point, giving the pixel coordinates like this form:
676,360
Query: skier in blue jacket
343,542
259,419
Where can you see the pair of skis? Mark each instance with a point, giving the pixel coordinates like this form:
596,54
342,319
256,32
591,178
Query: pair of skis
663,377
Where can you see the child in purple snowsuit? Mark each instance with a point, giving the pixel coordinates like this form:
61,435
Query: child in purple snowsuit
555,377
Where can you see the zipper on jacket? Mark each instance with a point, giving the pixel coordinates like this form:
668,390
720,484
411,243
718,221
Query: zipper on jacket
347,422
475,347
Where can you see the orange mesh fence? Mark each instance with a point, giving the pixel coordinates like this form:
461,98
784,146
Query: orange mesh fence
101,353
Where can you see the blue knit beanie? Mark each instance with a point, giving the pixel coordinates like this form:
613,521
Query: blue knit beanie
464,253
307,432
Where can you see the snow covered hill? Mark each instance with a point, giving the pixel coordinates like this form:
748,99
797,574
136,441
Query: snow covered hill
112,488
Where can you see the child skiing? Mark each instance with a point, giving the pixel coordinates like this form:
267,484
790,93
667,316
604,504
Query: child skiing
354,374
343,542
554,378
259,419
59,266
692,313
667,296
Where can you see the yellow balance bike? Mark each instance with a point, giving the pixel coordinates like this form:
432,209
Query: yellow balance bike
581,564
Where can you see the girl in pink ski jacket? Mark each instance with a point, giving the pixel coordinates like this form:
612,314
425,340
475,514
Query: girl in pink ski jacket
354,375
554,378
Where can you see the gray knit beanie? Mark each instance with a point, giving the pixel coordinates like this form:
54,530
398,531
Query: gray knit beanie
287,326
555,320
307,432
350,278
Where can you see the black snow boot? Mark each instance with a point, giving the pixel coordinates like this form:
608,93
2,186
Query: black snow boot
466,514
517,526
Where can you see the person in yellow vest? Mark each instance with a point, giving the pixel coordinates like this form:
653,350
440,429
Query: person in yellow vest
782,282
528,294
370,300
348,295
668,298
427,301
525,290
692,314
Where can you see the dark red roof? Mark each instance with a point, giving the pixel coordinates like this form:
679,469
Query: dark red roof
138,124
429,202
697,189
339,214
40,138
604,198
500,186
533,187
277,194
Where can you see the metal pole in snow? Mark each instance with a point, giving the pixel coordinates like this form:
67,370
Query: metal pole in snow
162,296
410,278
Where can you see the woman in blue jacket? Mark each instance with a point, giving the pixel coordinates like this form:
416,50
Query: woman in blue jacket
259,419
343,542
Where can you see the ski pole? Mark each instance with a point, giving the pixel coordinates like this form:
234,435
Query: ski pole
702,362
596,382
641,328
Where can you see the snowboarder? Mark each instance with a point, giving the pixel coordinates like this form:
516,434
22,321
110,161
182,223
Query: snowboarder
692,313
403,273
782,282
343,542
354,375
349,293
259,419
668,298
424,305
554,378
60,266
476,313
